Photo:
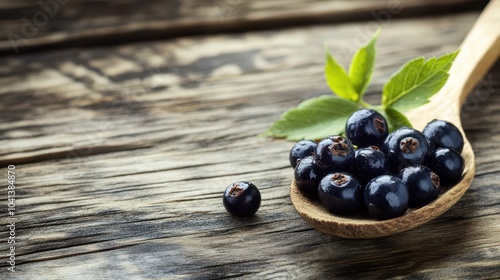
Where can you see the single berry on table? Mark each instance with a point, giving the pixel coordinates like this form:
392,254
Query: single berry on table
444,134
340,193
366,127
448,164
334,153
386,197
241,199
301,150
405,147
369,163
307,175
423,184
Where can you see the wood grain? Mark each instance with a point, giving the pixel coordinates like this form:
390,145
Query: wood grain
123,153
27,25
115,95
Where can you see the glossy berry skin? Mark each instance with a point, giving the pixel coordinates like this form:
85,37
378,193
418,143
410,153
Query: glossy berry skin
307,175
334,153
241,199
444,134
340,193
448,164
386,197
366,127
369,163
405,147
423,184
301,150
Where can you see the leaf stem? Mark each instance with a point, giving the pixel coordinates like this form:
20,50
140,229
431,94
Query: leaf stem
364,104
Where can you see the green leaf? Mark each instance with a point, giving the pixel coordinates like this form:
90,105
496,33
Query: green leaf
417,81
362,64
314,118
338,80
395,119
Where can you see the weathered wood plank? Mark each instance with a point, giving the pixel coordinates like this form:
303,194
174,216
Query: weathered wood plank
26,24
132,189
116,95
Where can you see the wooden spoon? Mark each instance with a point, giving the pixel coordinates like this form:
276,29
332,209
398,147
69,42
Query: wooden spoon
478,52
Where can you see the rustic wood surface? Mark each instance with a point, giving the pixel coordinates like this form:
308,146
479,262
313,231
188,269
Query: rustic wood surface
122,154
26,24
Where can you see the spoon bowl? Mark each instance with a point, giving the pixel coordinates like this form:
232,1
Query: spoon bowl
478,52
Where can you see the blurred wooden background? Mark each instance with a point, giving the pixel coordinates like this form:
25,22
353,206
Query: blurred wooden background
126,120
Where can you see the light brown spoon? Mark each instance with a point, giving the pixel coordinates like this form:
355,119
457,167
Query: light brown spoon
478,52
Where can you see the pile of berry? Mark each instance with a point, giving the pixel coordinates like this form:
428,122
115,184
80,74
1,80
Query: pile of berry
386,173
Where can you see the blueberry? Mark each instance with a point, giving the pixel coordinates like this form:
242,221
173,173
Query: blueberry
334,153
444,135
301,150
307,175
405,147
386,197
366,127
448,164
241,199
369,163
423,184
340,193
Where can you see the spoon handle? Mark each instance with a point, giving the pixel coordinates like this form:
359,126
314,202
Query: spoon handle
478,53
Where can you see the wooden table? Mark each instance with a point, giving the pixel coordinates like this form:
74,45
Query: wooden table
125,121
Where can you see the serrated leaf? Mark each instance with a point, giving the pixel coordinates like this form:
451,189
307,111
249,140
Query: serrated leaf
417,81
395,119
338,80
314,118
362,64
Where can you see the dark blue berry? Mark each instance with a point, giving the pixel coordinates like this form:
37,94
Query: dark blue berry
369,163
340,193
334,153
307,175
448,164
444,135
366,127
386,197
405,147
241,199
301,150
423,184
